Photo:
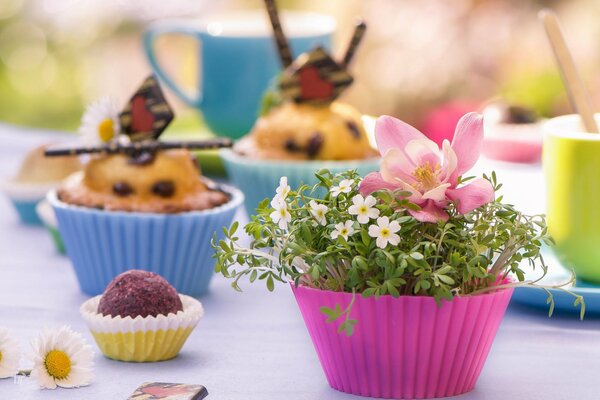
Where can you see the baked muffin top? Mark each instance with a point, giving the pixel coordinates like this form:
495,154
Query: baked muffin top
170,182
302,131
37,168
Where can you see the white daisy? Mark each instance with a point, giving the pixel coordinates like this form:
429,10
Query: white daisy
344,187
61,357
100,122
9,355
318,211
281,215
385,232
363,208
284,189
343,229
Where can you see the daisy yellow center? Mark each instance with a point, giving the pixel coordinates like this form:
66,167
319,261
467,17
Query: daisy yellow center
344,232
58,364
0,356
385,232
106,130
362,209
320,213
426,174
282,212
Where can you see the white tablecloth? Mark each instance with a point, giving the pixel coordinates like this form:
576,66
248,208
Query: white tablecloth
253,345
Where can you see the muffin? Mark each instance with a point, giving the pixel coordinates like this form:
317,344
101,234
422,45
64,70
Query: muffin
140,317
36,176
141,203
295,131
305,130
170,183
512,133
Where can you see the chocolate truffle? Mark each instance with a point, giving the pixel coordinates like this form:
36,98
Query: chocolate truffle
504,113
139,293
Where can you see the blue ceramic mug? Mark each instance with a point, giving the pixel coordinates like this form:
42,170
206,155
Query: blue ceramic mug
238,60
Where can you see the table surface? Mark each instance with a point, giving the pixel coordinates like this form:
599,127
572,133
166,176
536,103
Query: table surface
253,345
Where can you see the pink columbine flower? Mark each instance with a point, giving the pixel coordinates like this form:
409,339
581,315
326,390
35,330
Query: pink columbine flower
413,163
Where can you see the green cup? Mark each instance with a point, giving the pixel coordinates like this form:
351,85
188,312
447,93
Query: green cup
571,160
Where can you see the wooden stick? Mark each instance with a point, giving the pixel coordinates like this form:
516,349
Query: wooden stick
572,81
135,147
359,32
281,41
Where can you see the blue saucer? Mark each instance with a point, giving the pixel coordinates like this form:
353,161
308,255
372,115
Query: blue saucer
563,302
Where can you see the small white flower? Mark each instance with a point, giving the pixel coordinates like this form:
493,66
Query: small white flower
318,211
284,189
61,357
100,122
9,355
344,187
363,208
385,232
281,215
343,229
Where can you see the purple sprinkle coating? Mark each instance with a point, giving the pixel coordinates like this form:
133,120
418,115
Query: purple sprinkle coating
139,293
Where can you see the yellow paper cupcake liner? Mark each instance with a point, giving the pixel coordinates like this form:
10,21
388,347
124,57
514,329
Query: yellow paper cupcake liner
142,346
142,339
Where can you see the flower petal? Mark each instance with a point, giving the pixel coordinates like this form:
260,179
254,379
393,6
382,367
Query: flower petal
423,151
437,194
467,141
381,242
393,133
430,212
374,182
395,163
449,165
394,239
370,201
374,230
471,196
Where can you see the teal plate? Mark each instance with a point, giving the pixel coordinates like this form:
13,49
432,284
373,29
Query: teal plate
563,302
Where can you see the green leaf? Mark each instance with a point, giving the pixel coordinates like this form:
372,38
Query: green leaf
348,327
332,314
446,279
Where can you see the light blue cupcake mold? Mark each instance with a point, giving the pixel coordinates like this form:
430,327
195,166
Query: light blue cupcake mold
258,179
102,244
26,211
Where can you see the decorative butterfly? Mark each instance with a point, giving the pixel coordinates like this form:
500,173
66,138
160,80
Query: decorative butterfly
143,120
314,77
147,114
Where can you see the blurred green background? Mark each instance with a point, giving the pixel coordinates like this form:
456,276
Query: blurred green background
419,55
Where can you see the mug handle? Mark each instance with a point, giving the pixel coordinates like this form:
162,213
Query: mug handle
150,36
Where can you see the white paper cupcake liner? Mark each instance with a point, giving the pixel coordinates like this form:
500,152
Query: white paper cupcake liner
189,317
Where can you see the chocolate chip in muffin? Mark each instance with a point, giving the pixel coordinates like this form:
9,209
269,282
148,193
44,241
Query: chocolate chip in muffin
353,129
291,146
141,158
163,188
314,145
122,189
